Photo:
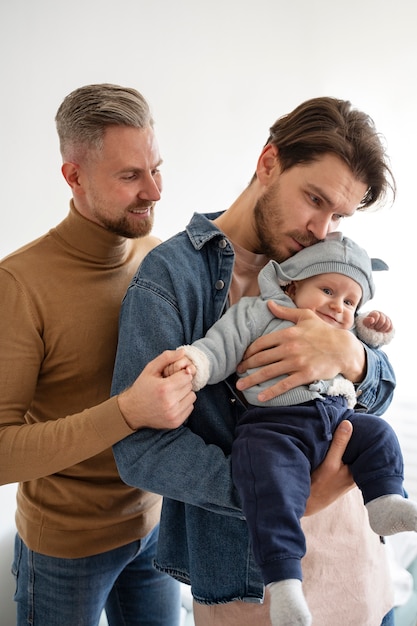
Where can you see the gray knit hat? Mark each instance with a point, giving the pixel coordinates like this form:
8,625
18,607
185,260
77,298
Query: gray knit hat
336,254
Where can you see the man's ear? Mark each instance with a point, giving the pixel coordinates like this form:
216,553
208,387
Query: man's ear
267,164
71,173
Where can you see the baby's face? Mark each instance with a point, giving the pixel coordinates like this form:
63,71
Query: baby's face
333,297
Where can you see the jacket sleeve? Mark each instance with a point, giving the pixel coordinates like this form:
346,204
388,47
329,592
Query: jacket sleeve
376,390
178,464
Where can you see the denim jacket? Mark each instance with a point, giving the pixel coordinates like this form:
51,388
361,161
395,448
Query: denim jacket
179,291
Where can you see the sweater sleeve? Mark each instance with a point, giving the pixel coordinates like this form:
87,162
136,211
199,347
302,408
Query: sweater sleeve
217,355
32,448
371,337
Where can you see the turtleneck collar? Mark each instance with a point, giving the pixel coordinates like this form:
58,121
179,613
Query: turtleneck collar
90,239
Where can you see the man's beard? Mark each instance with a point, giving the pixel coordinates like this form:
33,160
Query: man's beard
268,223
126,228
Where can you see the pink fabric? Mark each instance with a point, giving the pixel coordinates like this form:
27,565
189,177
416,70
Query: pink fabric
346,576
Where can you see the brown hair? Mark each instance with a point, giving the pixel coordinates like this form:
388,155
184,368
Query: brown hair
323,125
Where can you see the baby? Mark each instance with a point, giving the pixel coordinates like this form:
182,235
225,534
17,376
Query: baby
278,443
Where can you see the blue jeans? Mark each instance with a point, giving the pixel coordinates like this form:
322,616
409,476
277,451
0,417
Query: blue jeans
73,592
389,619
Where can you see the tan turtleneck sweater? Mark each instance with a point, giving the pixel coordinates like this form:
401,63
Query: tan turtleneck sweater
59,308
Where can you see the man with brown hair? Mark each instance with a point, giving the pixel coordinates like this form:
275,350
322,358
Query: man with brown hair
321,163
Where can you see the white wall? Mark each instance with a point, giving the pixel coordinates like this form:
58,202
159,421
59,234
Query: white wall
217,74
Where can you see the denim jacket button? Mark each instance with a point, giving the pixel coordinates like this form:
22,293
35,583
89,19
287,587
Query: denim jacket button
219,284
222,243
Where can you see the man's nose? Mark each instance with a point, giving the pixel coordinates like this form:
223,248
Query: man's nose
320,226
149,189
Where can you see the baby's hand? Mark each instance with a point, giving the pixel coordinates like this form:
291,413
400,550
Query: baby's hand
182,363
378,321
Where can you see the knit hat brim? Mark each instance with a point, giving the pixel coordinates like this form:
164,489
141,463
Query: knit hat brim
335,254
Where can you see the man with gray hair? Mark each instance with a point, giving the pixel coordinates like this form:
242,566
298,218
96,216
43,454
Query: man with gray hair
86,541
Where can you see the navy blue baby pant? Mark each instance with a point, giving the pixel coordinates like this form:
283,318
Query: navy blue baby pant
276,449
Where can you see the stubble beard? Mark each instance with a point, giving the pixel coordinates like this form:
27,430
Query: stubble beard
269,227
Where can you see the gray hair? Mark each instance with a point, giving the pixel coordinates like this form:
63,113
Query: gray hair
85,113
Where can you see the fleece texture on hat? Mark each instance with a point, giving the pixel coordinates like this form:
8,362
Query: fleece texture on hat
336,254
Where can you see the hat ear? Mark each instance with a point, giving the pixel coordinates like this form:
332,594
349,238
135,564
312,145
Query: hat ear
379,265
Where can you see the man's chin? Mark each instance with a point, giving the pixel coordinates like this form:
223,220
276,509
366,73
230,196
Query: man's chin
143,231
132,231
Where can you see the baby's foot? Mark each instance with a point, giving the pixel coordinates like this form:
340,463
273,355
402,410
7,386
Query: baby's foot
392,514
288,604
